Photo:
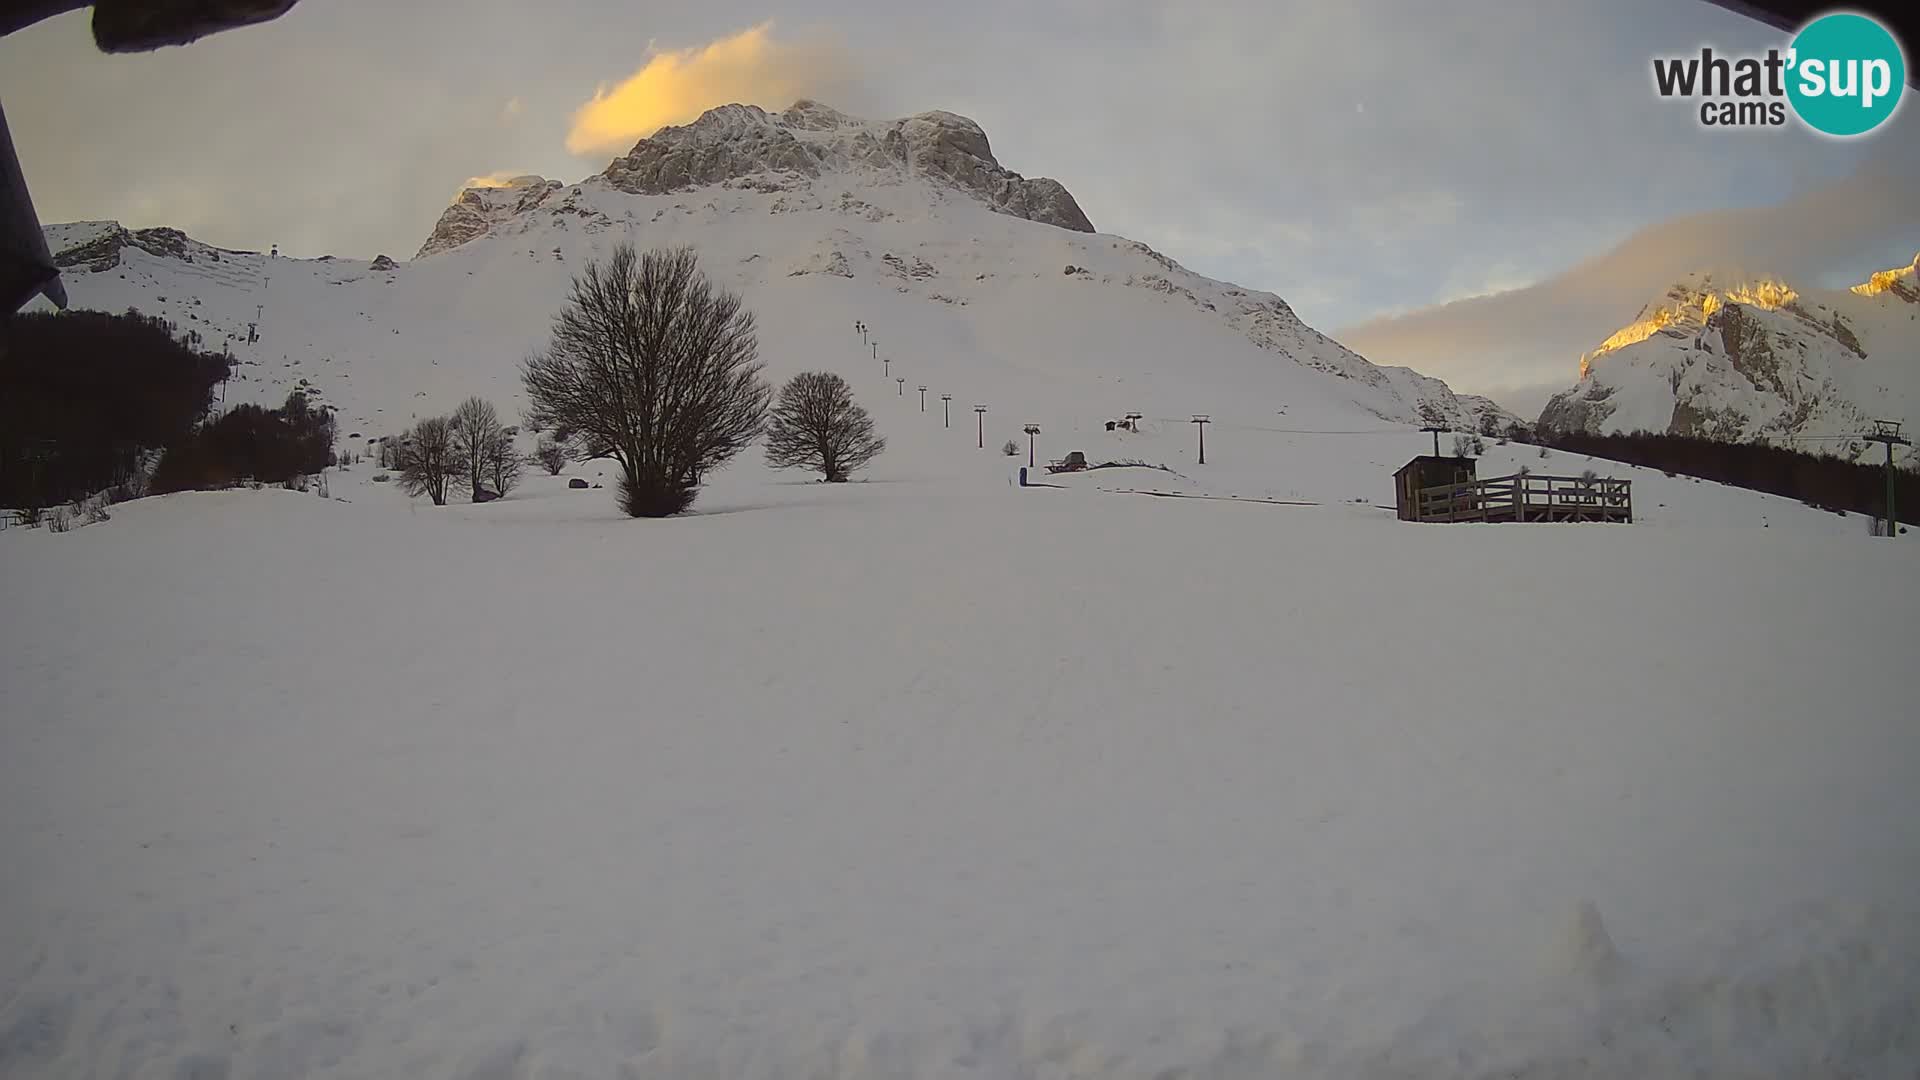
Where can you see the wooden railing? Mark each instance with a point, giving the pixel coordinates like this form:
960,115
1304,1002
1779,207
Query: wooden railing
1528,497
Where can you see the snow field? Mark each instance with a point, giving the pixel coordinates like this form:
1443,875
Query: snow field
967,781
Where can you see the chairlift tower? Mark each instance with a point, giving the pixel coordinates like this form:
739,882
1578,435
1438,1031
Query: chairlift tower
1888,432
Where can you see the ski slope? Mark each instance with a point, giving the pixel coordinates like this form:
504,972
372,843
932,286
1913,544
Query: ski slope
963,300
992,320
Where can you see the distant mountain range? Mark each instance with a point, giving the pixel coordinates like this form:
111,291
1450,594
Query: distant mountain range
1741,358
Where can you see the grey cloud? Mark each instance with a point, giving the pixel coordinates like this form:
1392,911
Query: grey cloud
1499,141
1522,344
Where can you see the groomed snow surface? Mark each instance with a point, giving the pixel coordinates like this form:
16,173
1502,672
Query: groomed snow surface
918,778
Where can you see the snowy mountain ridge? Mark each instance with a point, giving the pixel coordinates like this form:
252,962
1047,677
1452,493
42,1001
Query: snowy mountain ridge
1743,357
786,152
819,220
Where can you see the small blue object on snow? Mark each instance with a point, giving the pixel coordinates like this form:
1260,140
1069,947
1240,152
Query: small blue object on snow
1023,476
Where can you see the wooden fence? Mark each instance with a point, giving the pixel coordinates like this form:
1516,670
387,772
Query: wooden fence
1528,497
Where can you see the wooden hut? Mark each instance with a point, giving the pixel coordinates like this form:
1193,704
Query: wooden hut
1424,472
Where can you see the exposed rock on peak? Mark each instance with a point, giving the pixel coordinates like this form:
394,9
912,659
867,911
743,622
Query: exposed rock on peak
96,246
738,142
477,210
807,115
1901,281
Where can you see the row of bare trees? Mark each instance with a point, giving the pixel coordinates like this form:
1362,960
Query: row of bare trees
468,449
652,365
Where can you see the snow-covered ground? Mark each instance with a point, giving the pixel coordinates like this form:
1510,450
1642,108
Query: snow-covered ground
939,777
931,775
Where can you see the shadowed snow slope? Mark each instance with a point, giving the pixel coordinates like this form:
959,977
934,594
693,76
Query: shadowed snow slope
915,778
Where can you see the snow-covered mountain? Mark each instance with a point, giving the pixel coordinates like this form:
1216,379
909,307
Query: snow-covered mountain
1754,359
973,277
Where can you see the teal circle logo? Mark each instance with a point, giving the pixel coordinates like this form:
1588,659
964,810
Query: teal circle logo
1845,74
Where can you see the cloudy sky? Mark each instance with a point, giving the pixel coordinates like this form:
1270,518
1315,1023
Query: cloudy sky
1479,189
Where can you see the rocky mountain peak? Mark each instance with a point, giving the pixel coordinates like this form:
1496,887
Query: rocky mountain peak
1902,282
1690,302
1740,357
809,115
95,246
811,140
478,209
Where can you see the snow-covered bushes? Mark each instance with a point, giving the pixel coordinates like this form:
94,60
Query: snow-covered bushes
1011,449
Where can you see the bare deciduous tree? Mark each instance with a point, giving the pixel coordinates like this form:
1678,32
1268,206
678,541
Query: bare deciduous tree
651,365
817,425
476,429
551,455
428,461
503,463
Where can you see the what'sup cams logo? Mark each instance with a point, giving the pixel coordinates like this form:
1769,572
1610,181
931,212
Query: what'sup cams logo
1842,75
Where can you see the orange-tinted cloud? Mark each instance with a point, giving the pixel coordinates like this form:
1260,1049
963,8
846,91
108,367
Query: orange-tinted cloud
500,179
673,87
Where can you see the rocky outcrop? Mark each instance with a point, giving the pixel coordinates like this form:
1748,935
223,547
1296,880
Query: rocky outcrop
1584,408
746,144
102,251
382,263
477,210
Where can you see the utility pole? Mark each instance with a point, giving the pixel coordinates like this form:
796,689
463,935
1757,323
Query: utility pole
980,414
876,349
1201,420
946,410
1133,422
862,327
902,380
1436,437
923,399
1888,431
885,365
1031,430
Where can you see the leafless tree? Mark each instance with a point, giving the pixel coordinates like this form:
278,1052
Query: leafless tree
476,429
551,455
503,463
817,425
428,461
652,365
